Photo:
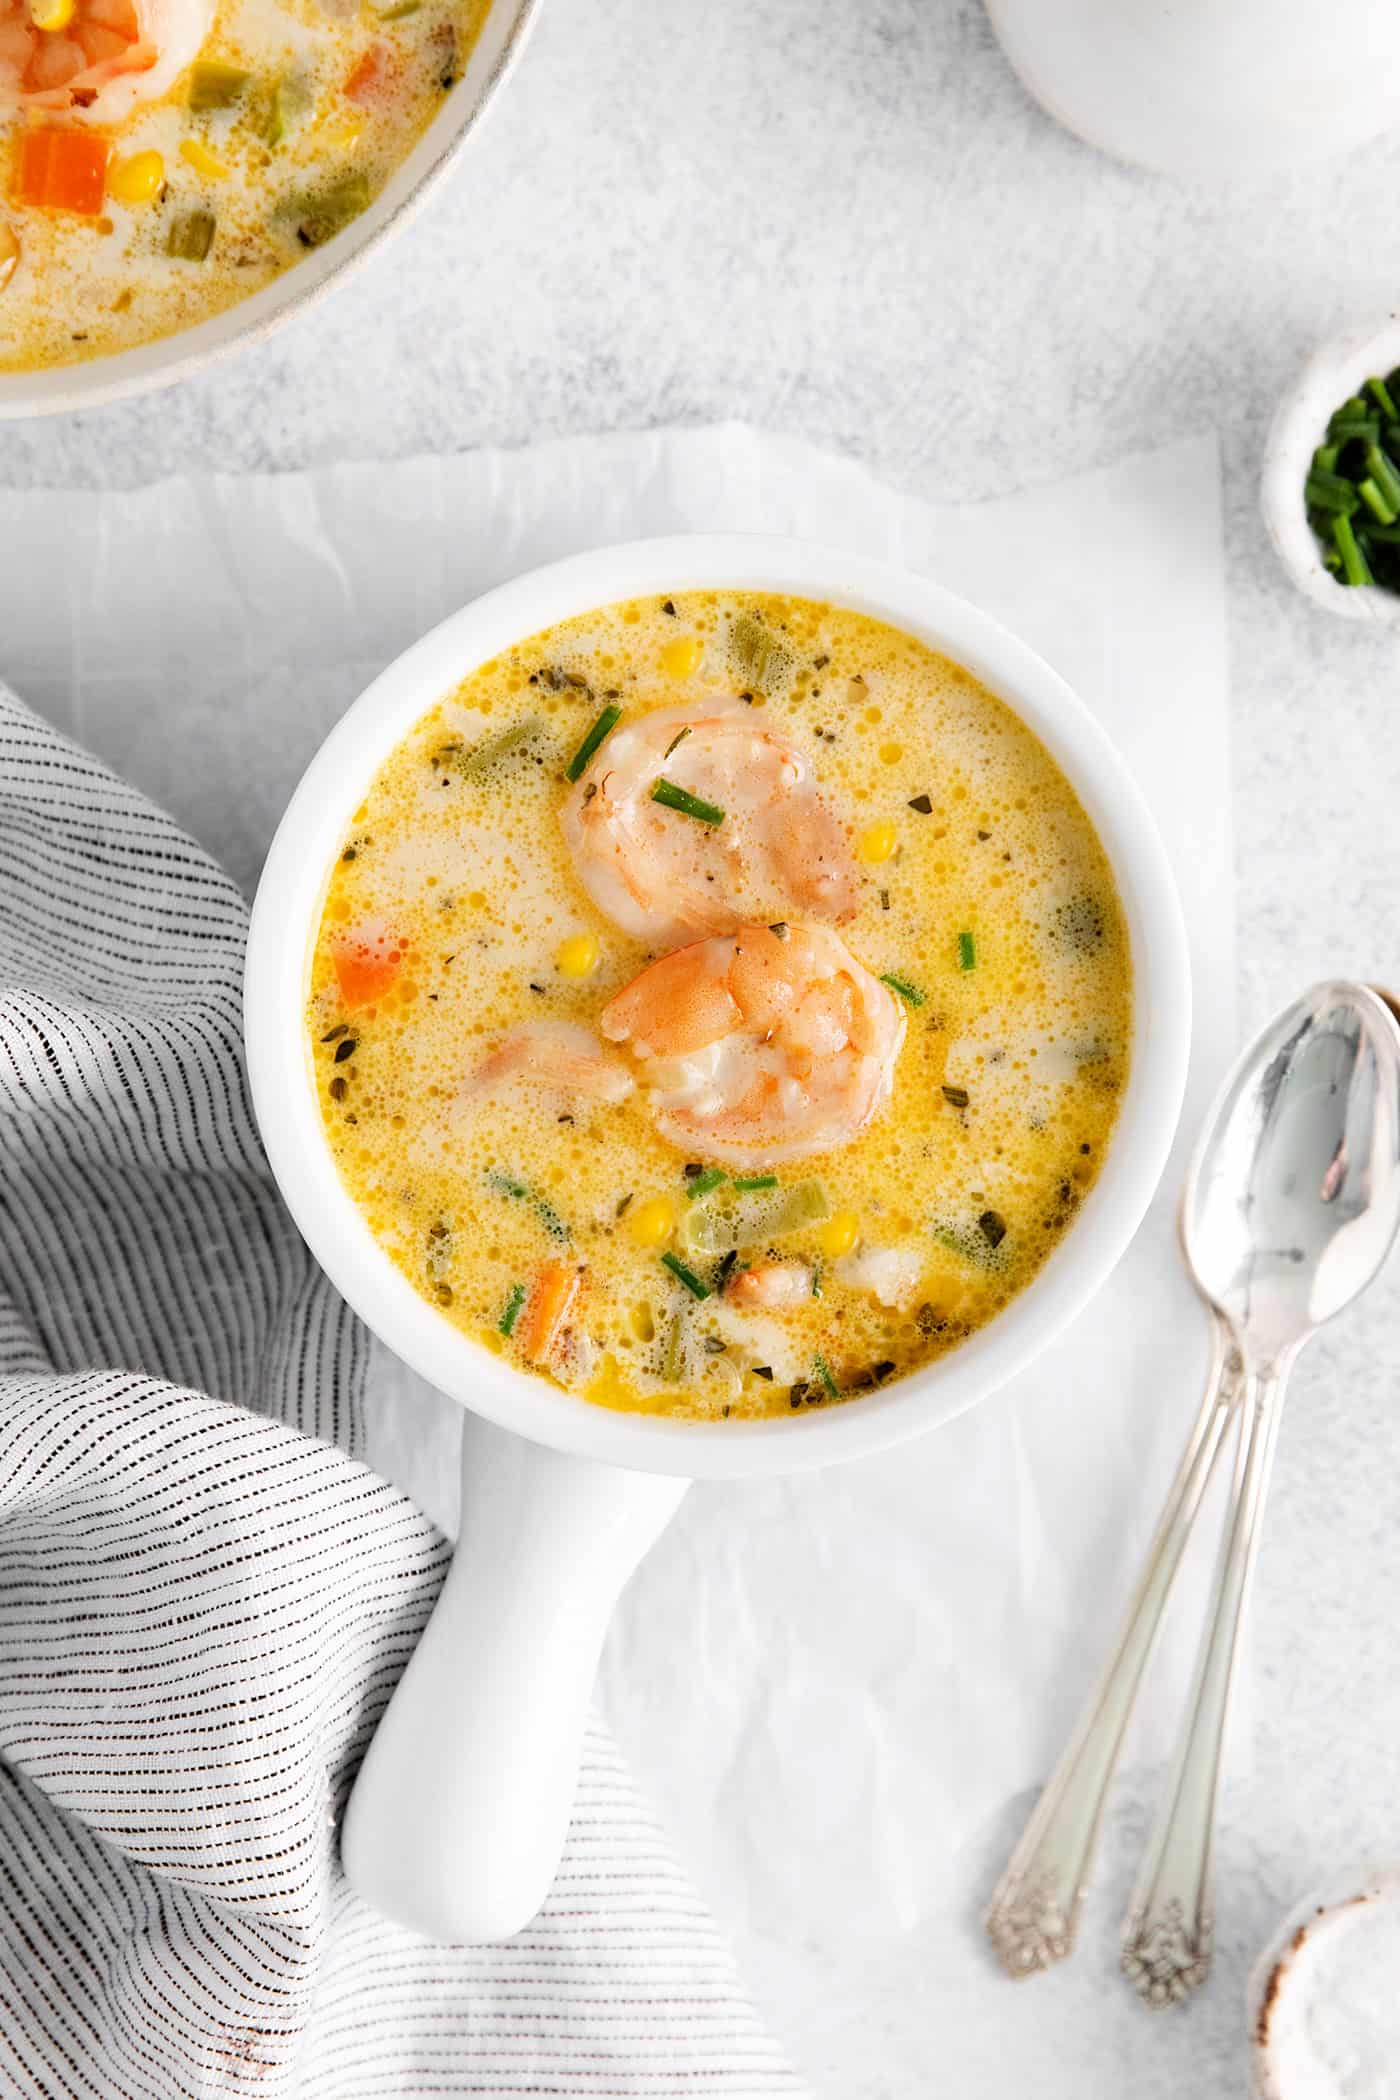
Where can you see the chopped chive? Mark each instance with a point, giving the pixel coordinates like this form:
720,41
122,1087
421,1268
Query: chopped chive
1330,492
1382,471
1384,535
679,738
606,722
967,952
955,1096
1354,420
673,797
512,1309
701,1184
1380,394
693,1283
909,993
1371,495
504,1186
1325,458
1355,568
823,1371
817,1281
755,1181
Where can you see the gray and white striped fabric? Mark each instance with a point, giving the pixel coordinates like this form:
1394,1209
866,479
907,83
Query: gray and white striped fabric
205,1598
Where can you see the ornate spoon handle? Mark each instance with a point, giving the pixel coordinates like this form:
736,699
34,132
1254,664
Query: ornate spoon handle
1168,1934
1035,1908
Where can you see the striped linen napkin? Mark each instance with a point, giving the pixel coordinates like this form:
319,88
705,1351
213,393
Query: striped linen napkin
206,1598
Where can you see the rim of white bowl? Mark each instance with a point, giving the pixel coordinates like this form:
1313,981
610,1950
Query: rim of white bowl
63,389
1270,1979
1335,371
287,911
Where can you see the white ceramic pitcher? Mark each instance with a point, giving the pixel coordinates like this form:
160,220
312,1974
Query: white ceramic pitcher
459,1814
1209,89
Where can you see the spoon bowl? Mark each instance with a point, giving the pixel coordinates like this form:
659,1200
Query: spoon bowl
1292,1200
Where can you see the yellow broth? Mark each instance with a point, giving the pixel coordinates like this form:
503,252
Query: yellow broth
333,95
995,907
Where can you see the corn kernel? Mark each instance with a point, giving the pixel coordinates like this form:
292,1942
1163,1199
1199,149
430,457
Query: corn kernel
9,253
345,135
137,179
652,1223
52,14
879,842
202,160
839,1234
681,658
576,956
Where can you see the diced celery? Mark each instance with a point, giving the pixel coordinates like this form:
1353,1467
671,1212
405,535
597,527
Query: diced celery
726,1220
215,85
281,103
321,214
191,236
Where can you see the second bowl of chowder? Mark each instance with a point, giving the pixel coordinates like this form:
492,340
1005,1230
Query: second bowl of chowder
714,1006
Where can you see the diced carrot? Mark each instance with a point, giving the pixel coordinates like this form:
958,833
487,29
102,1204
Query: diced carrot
368,958
551,1300
62,170
371,77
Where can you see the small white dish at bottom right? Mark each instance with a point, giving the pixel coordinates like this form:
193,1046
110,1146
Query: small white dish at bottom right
1337,369
1324,2007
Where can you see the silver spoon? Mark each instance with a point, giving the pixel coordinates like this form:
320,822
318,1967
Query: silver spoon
1291,1207
1034,1911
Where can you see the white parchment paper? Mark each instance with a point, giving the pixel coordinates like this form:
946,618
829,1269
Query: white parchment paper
833,1685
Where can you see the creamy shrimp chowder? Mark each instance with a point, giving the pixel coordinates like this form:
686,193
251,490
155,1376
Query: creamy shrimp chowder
721,1005
165,158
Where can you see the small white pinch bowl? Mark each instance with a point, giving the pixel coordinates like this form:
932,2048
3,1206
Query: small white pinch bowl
1288,2022
1337,369
458,1817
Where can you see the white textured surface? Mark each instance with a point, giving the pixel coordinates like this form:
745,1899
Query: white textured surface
846,221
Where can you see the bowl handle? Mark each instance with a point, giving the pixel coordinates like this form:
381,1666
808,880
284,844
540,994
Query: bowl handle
457,1819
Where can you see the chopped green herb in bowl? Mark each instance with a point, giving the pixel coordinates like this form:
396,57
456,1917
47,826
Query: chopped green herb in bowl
1352,488
1330,486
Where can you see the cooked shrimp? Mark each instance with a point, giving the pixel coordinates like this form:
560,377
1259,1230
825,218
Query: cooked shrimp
760,1047
771,1285
666,877
107,56
556,1057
